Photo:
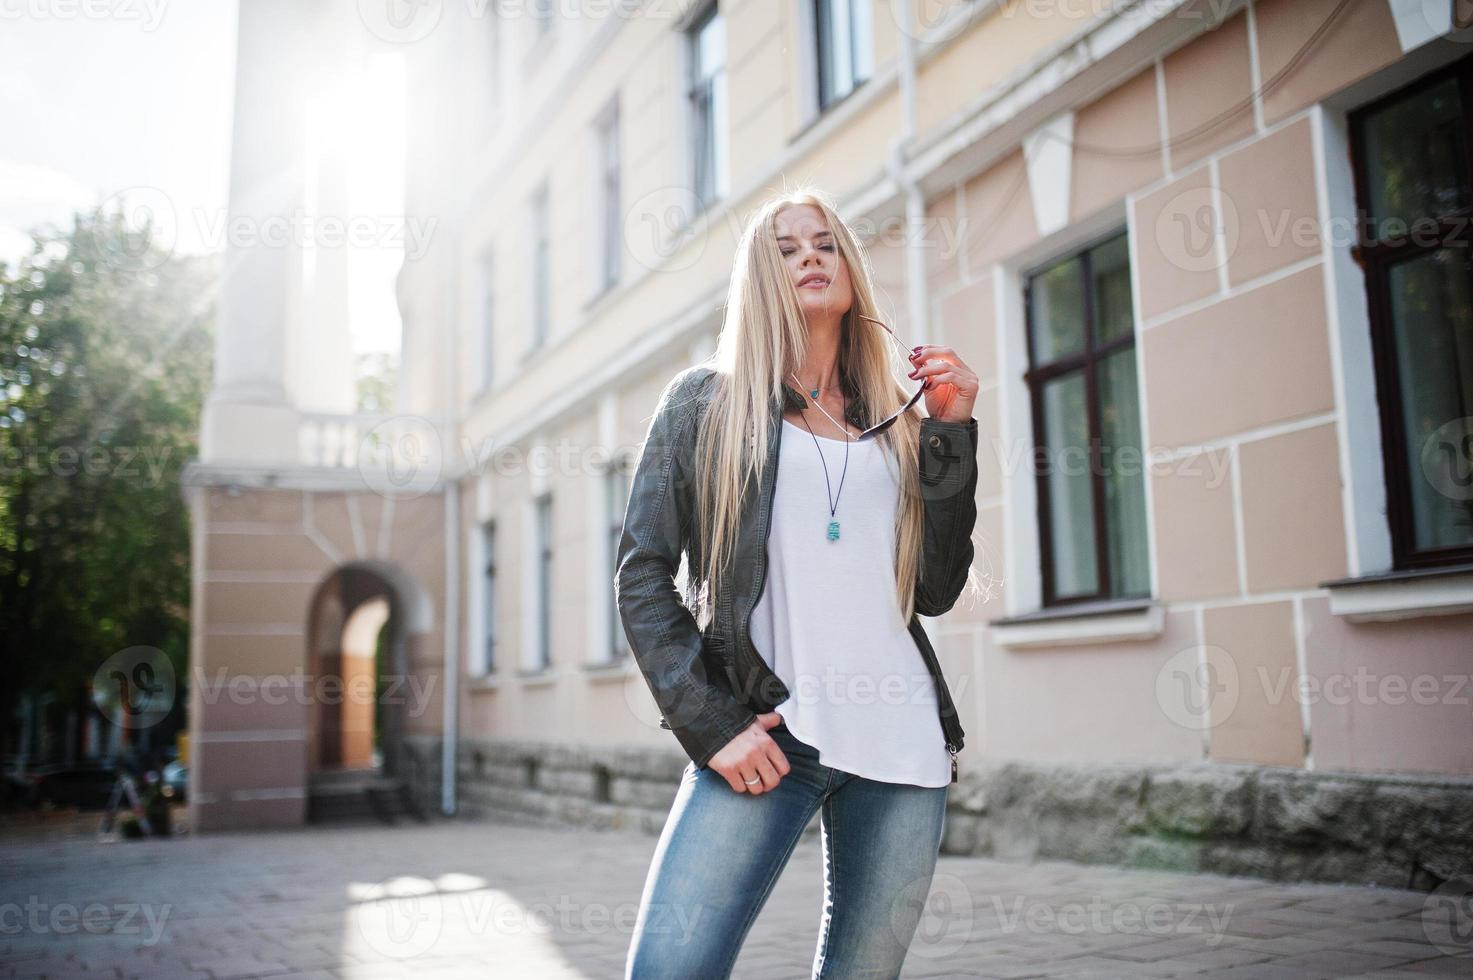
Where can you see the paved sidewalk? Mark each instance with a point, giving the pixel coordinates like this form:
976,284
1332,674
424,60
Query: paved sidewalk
463,899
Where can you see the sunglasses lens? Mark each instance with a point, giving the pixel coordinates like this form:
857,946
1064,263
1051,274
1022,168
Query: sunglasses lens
905,353
876,430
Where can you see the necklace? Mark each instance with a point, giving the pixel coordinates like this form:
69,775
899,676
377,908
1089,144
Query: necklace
842,428
833,498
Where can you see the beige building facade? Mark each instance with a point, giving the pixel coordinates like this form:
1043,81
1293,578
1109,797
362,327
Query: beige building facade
1224,552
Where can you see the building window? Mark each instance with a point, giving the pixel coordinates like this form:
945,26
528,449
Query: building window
1086,420
845,36
488,598
543,531
616,501
488,322
1414,192
708,107
541,235
610,216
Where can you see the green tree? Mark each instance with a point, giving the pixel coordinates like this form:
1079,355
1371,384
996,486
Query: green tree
378,381
105,347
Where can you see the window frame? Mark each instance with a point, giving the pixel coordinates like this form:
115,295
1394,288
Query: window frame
542,511
860,54
486,325
539,206
1376,260
486,647
616,477
610,193
1035,377
694,84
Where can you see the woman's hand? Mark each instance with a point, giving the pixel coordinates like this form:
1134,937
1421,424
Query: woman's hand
751,754
951,386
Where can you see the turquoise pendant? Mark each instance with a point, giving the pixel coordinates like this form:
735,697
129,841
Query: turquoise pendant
833,530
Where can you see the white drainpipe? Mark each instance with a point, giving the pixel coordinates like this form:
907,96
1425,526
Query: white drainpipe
915,202
450,738
450,727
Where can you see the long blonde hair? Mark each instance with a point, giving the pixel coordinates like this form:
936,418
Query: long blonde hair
763,337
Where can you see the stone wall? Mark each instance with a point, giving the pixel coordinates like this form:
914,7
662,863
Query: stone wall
1283,824
606,787
420,765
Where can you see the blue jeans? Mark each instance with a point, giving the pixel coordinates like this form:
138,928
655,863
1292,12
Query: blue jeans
721,852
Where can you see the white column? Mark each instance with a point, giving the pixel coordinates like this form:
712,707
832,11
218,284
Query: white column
248,417
319,352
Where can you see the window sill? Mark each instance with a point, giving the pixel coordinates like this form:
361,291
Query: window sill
483,395
482,398
536,678
618,670
531,352
1093,622
836,114
600,298
1411,594
701,218
483,682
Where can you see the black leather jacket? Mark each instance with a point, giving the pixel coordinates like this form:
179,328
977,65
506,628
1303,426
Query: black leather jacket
710,684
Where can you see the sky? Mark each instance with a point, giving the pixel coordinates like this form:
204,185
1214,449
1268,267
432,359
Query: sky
132,98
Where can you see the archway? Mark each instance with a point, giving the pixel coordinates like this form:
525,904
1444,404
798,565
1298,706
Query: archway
350,715
363,618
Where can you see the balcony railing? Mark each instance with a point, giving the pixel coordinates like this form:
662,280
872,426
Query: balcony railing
399,451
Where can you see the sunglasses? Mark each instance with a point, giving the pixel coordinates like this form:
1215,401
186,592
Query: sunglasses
875,430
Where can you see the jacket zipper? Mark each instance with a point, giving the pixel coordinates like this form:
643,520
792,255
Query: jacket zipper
943,698
751,649
943,694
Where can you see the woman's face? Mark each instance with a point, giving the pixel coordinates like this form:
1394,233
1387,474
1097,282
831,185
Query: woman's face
811,255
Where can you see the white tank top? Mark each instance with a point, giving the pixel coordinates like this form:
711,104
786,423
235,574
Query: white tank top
828,621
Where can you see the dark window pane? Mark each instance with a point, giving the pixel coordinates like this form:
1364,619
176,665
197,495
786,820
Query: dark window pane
824,21
845,41
720,127
541,262
1057,312
707,97
616,504
612,218
544,580
489,606
1070,495
1123,466
1416,159
703,153
488,322
1432,320
1110,290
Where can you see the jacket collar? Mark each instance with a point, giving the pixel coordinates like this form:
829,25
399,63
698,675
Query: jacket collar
792,399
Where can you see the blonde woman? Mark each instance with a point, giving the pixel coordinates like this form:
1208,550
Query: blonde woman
820,514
